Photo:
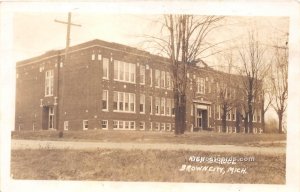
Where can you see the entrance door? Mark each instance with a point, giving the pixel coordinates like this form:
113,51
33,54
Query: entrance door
202,119
48,118
51,118
199,118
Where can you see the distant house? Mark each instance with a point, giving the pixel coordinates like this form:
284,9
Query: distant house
115,87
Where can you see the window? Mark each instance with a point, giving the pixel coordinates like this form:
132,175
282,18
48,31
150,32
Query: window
99,57
168,80
162,106
124,102
157,105
162,79
93,56
168,107
157,78
105,100
218,112
233,114
258,117
228,115
200,85
168,126
49,80
150,77
132,125
142,74
142,103
150,105
85,124
66,125
121,101
51,118
124,71
116,70
162,126
105,68
104,124
173,107
115,124
123,125
126,124
142,125
157,126
115,104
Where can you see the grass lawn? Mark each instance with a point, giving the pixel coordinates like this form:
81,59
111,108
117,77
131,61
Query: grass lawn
156,137
143,165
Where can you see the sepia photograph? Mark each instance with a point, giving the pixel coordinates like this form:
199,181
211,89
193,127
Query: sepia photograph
168,97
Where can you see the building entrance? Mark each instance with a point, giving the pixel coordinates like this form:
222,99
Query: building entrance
48,118
201,119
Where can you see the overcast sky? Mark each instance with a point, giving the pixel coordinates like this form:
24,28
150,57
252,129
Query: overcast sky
36,33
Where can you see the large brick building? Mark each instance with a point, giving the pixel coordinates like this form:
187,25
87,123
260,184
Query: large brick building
111,86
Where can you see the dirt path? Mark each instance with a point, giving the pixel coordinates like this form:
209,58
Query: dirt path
34,144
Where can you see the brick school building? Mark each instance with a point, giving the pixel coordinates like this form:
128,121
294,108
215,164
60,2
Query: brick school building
111,86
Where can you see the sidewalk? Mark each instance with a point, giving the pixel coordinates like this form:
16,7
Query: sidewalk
35,144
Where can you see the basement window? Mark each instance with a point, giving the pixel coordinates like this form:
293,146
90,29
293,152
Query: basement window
85,124
66,125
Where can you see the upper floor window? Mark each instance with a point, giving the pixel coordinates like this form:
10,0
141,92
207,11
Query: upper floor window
150,77
142,103
49,81
124,71
150,106
168,80
142,74
162,79
200,85
157,105
124,102
162,106
105,100
168,107
105,68
157,78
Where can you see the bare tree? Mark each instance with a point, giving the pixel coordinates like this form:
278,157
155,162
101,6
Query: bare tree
226,90
184,42
253,69
280,83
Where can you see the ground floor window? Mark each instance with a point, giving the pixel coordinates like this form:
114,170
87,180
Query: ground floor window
168,126
104,124
157,126
123,125
66,125
142,125
85,124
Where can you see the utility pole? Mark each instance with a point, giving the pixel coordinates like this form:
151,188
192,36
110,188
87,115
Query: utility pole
60,80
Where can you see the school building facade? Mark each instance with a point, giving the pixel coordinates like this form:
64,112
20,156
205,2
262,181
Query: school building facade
111,86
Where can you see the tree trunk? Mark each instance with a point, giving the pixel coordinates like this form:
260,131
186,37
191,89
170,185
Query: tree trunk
280,117
250,120
180,113
238,121
263,125
224,120
246,123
